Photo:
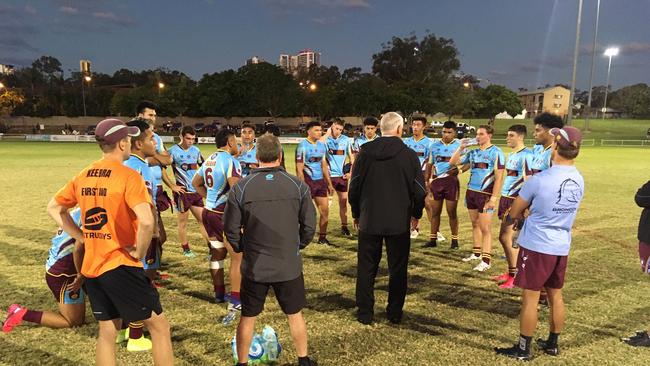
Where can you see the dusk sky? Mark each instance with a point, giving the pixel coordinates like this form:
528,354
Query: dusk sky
518,43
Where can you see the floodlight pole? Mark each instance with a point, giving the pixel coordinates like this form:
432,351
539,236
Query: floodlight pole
609,68
83,94
593,64
575,64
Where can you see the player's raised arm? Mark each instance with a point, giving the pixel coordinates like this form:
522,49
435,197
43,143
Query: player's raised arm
456,157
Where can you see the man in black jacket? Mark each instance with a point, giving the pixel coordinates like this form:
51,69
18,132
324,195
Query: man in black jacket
387,197
642,198
270,217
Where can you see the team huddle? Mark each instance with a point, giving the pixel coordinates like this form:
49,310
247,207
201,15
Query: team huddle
120,198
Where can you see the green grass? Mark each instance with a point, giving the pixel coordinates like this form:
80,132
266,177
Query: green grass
453,315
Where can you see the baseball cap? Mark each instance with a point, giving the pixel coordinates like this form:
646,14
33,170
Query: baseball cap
567,136
112,130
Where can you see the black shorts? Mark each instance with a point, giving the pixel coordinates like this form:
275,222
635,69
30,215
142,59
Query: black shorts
290,295
124,292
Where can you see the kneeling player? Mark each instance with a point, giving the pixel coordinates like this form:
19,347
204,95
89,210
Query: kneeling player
63,280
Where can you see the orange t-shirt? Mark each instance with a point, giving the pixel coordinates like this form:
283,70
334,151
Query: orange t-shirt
106,191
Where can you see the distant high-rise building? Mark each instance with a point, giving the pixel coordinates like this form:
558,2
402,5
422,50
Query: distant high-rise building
254,60
6,69
300,62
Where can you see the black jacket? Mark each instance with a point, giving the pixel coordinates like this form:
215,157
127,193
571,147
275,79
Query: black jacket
642,199
270,216
387,187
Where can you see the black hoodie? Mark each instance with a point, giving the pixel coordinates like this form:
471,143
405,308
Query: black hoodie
642,198
387,187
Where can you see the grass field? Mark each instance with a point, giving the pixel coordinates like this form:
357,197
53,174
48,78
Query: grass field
452,315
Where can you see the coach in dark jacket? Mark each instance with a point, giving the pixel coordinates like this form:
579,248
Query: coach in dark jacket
642,198
270,217
387,197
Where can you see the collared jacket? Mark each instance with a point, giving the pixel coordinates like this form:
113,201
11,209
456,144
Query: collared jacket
269,217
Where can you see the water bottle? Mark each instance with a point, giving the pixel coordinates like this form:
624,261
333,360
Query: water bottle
470,142
271,344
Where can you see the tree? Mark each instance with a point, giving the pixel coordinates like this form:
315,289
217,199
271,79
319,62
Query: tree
495,99
9,100
633,100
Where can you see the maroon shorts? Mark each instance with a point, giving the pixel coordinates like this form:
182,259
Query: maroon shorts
340,184
644,256
186,200
446,188
538,270
163,202
152,259
476,200
58,284
504,206
213,222
161,228
318,187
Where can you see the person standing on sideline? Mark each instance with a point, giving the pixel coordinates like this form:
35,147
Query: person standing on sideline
642,199
387,198
117,228
269,217
553,198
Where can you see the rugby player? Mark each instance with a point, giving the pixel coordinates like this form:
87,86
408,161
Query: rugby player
553,198
311,168
339,150
369,133
117,229
247,149
516,173
213,181
63,278
487,164
187,160
444,185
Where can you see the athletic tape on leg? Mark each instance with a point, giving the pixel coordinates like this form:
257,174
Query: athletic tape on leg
216,244
216,264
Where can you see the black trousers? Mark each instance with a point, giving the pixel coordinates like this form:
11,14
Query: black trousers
398,248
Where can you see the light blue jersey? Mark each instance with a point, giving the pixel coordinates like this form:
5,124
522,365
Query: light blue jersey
311,154
338,150
422,148
555,195
516,171
247,158
156,170
59,261
186,163
540,159
139,165
483,165
359,141
215,173
440,155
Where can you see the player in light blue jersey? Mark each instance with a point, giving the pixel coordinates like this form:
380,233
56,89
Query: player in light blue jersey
187,160
312,168
487,164
213,181
247,149
516,173
61,275
552,198
369,133
442,180
540,159
339,150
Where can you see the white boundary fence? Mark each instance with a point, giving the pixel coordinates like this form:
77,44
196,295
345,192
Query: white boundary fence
296,140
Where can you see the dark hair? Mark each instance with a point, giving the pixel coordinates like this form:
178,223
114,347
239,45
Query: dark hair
272,128
450,124
489,129
269,149
247,124
338,121
145,104
142,125
518,129
370,121
549,120
188,130
222,137
569,152
419,118
311,124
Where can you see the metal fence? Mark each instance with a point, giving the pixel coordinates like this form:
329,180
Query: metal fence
625,143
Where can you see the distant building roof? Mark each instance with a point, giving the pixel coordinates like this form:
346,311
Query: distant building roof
540,91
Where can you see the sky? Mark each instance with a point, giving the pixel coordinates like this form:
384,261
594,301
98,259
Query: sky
517,43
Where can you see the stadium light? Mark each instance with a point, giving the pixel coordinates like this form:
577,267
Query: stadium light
312,87
466,84
2,86
610,52
87,78
161,85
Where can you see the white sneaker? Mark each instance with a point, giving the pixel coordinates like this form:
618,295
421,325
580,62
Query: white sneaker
415,233
441,237
471,257
482,267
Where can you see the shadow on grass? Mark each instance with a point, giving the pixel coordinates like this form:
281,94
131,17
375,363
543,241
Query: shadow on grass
327,302
460,295
20,355
21,255
27,233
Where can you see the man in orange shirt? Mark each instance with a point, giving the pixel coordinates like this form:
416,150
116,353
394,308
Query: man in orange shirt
116,232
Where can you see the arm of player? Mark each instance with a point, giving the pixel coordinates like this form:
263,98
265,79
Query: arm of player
199,184
232,224
160,158
307,217
455,158
499,172
300,173
428,169
78,258
168,183
326,175
144,232
642,197
63,219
